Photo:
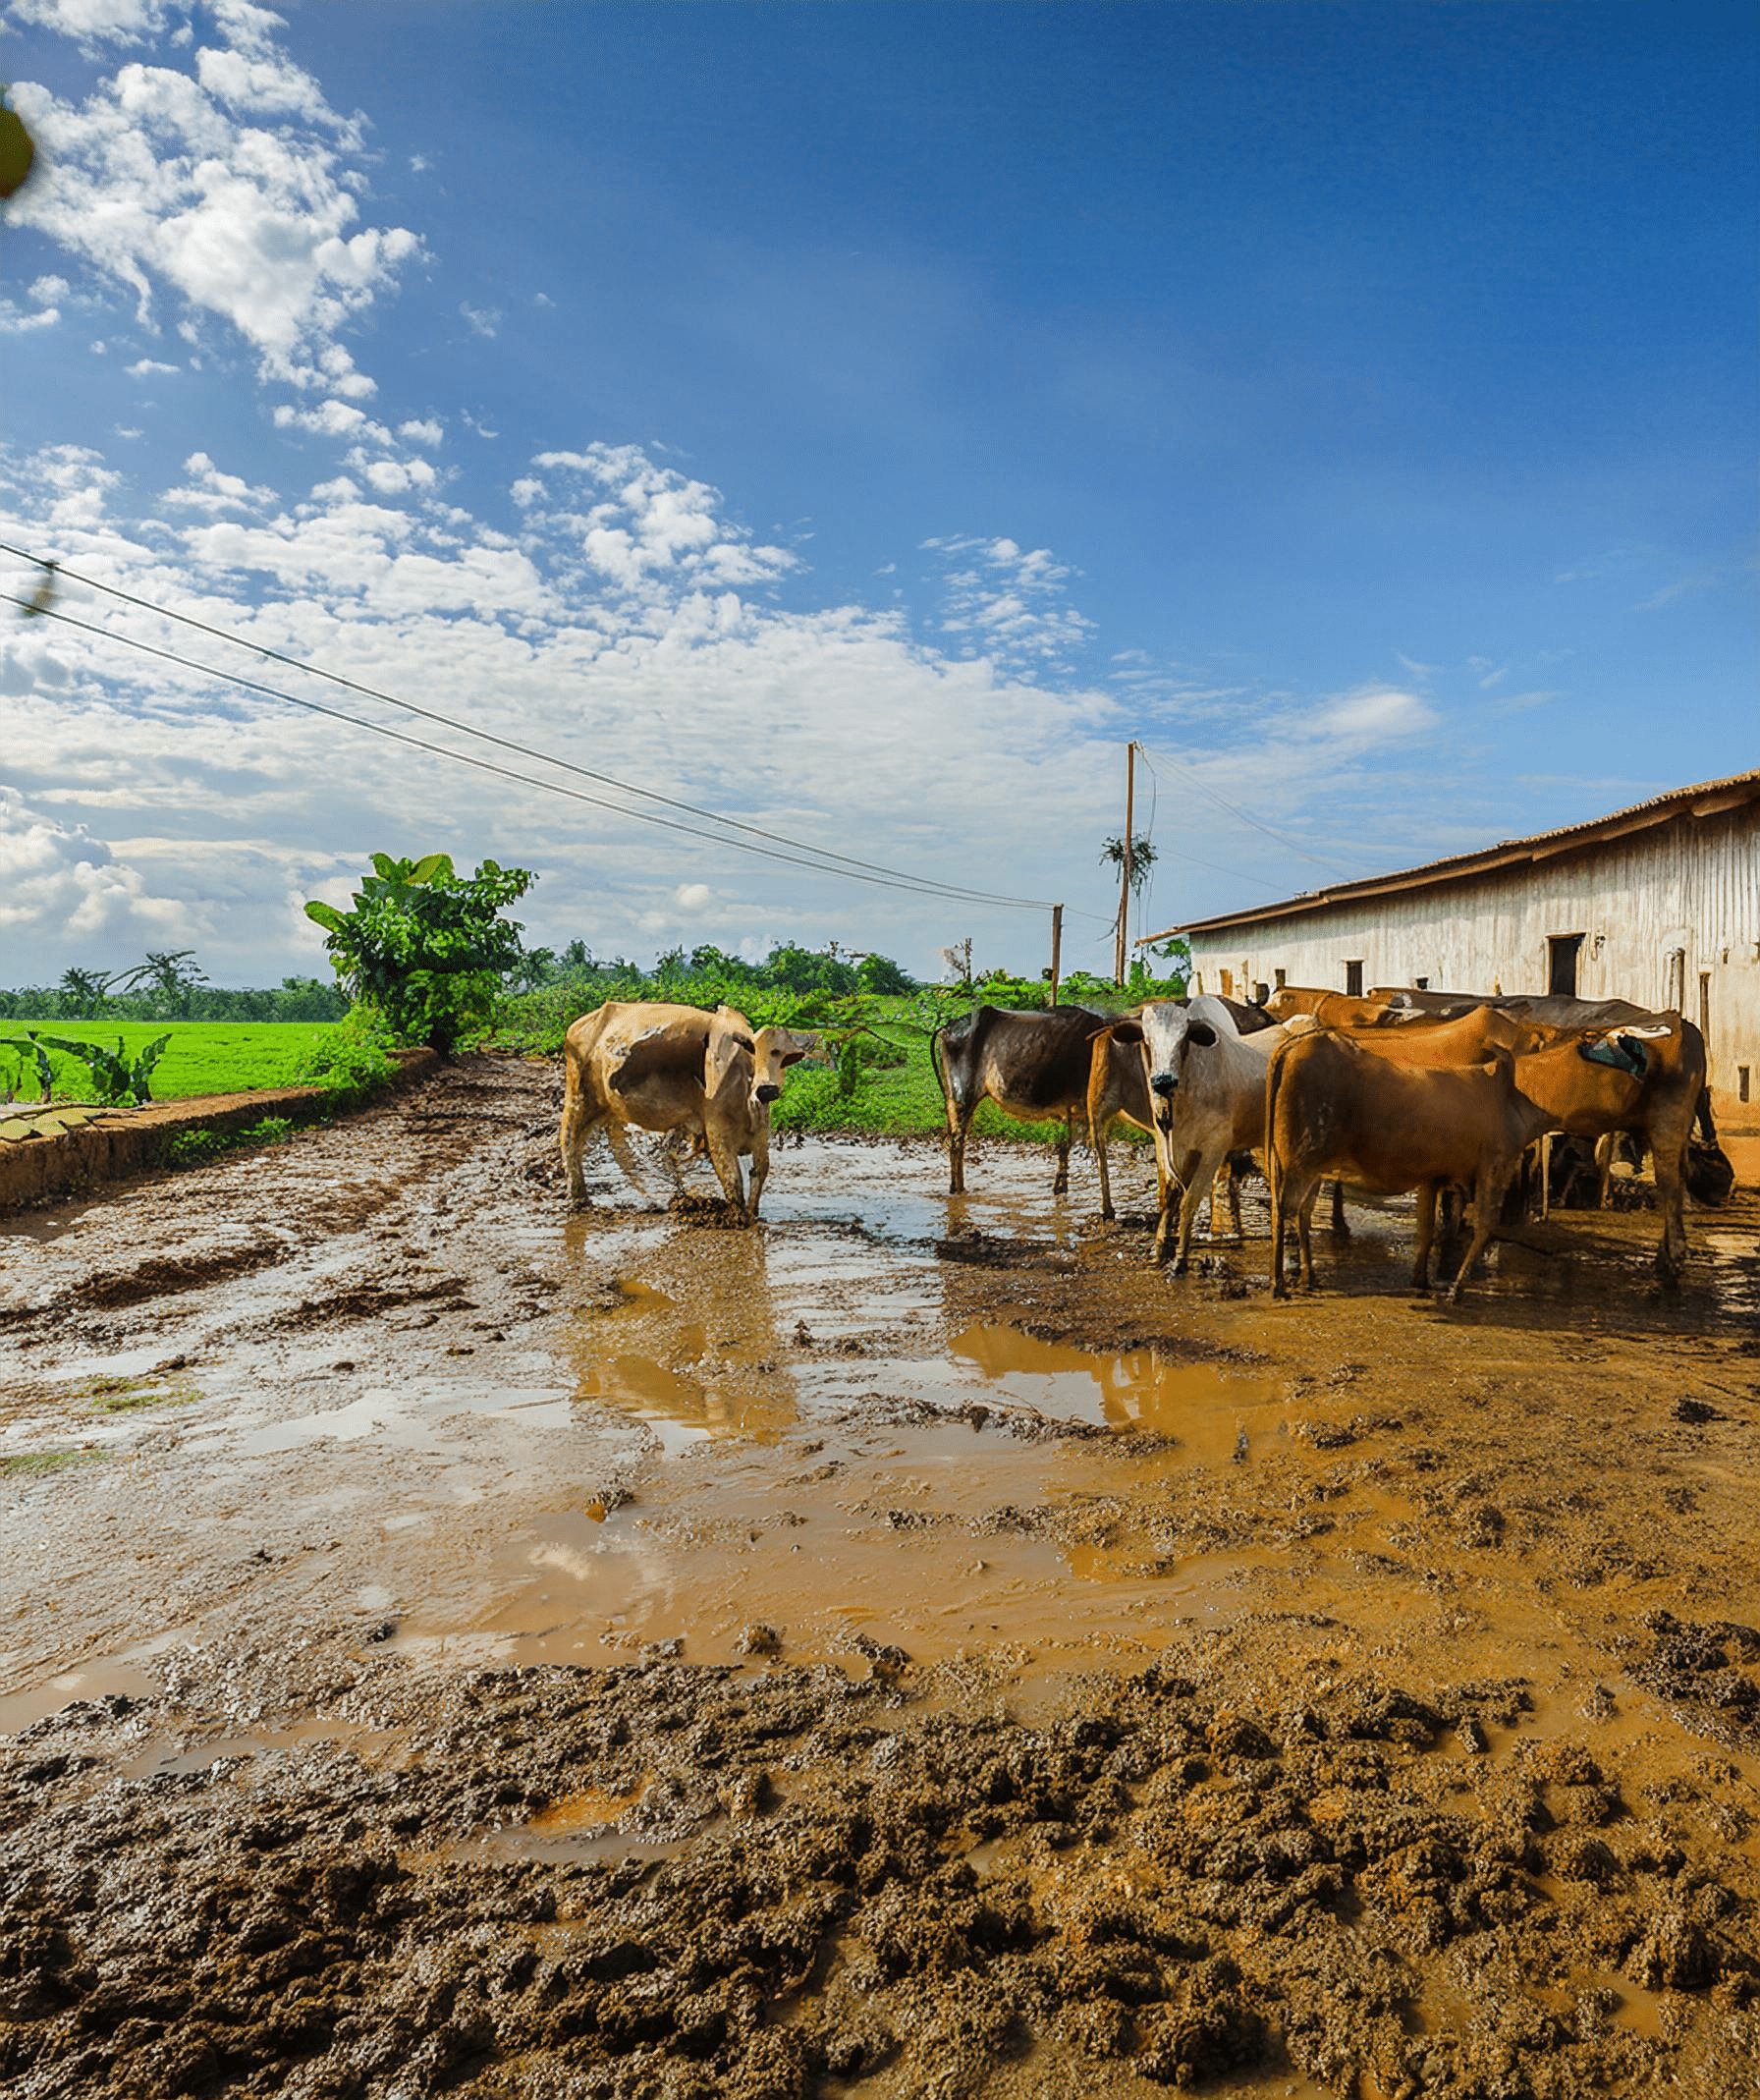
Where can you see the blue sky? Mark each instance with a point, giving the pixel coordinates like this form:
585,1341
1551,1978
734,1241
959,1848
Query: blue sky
863,419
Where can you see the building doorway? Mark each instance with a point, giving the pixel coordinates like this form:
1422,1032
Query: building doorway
1353,981
1561,952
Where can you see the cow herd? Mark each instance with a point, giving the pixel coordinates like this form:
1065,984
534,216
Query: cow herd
1452,1097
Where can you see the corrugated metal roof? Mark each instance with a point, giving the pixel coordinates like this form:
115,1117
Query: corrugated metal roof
1708,799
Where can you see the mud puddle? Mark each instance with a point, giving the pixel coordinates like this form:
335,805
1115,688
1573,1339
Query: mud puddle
912,1648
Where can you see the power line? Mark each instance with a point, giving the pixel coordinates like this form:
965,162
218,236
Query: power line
1331,868
890,881
817,853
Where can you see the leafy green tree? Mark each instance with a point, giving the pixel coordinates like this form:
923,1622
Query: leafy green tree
426,947
879,973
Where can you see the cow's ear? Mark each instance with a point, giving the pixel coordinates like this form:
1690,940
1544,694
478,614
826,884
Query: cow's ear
1125,1031
1200,1032
725,1046
793,1057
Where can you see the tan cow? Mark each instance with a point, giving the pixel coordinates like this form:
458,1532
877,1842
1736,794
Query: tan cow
676,1069
1335,1010
1333,1108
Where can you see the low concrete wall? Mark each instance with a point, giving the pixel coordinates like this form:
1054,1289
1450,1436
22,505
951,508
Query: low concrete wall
124,1141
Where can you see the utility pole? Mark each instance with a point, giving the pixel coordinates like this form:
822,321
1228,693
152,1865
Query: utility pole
1125,876
1057,948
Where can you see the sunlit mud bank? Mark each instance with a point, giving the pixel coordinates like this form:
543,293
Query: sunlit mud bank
911,1647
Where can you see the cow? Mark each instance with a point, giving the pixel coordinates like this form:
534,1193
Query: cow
1333,1107
676,1068
1117,1086
1337,1010
1663,1113
1035,1066
1206,1076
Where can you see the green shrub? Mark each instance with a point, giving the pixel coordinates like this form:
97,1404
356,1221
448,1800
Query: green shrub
192,1149
354,1058
426,946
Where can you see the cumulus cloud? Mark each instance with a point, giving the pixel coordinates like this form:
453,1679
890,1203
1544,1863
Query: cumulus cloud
227,191
58,881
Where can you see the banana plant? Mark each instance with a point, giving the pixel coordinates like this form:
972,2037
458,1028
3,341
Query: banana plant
116,1076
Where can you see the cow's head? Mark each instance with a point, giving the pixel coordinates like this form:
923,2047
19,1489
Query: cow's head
1166,1032
773,1051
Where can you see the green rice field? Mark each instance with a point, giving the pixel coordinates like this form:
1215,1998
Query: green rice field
202,1057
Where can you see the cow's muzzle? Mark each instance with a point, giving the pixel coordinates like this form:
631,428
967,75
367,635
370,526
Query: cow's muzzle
768,1094
1163,1083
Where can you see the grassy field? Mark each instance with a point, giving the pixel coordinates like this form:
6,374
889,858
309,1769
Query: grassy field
202,1057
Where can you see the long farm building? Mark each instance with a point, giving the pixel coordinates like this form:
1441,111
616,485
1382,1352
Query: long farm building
1659,903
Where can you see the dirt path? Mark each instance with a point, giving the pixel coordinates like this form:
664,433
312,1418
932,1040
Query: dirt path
909,1649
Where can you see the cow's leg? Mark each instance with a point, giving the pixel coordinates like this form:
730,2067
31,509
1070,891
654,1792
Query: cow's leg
578,1119
1671,1200
616,1136
1061,1185
1546,1139
1279,1183
1340,1225
1097,1142
1239,1236
1195,1176
724,1155
760,1160
959,1127
1488,1196
1420,1267
1605,1148
1304,1234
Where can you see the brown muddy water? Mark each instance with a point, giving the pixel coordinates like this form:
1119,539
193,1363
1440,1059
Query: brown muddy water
909,1648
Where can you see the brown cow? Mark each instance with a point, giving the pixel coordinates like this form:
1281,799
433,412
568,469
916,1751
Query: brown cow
1666,1054
676,1069
1333,1108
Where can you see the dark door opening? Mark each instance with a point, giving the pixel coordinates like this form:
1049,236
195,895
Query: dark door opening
1353,981
1562,951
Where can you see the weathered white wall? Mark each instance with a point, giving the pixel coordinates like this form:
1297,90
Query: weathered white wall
1690,886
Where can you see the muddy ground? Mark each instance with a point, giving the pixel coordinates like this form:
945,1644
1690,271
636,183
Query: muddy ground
907,1649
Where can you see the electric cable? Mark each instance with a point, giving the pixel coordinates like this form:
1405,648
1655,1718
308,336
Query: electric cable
819,854
893,880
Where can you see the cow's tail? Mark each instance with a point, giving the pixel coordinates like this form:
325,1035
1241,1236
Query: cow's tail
935,1063
1099,1075
1274,1081
1702,1116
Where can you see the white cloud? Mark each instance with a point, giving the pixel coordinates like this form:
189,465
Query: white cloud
60,883
14,320
94,22
428,431
1373,716
211,490
48,291
149,369
1006,605
693,897
230,190
484,320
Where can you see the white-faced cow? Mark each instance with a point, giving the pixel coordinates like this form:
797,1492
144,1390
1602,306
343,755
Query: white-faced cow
676,1069
1206,1081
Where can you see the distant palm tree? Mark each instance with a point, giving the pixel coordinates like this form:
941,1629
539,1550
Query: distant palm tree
1142,859
86,990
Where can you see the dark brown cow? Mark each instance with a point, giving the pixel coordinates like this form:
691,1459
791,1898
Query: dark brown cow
1335,1109
1034,1065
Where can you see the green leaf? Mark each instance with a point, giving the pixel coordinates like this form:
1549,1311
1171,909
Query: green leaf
430,866
325,915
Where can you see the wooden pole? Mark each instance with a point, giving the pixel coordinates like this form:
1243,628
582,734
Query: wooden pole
1126,867
1057,948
